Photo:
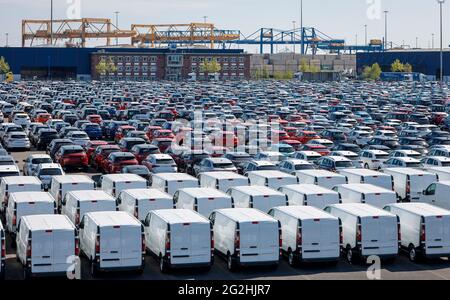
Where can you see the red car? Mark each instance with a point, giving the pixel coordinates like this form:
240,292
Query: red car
91,146
279,135
294,143
116,161
72,156
163,134
151,131
97,119
226,139
142,151
122,132
101,154
322,150
305,136
162,143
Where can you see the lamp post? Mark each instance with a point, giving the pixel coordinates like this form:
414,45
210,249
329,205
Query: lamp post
117,25
441,2
365,35
205,18
51,22
302,37
432,41
293,35
386,29
7,39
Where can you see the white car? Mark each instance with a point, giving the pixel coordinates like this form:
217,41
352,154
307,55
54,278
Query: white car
356,161
436,161
406,153
373,159
46,171
17,140
310,156
78,138
33,161
160,163
401,162
21,119
291,166
359,137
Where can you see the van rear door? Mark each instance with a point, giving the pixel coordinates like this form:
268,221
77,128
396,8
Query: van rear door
131,246
34,208
110,247
267,202
50,250
380,200
96,206
379,235
190,243
381,181
259,241
437,235
207,205
321,201
329,181
320,239
63,247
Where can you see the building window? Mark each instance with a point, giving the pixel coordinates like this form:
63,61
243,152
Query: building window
120,59
241,59
128,69
153,59
153,69
120,68
136,69
233,59
144,69
144,59
136,59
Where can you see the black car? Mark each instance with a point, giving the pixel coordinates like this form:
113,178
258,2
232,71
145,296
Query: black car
392,144
347,147
45,137
56,144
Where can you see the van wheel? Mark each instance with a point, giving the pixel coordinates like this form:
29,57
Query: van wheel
349,255
366,166
26,273
163,265
94,270
231,264
13,243
292,260
412,253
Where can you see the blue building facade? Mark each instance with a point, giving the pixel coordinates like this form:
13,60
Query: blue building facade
425,62
75,63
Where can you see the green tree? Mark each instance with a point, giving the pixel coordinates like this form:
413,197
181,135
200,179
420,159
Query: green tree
304,66
210,67
101,67
371,73
265,73
4,66
408,68
111,66
397,66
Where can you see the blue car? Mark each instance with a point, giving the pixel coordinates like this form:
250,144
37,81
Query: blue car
94,131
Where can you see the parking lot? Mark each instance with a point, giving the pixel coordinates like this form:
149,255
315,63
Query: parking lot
402,269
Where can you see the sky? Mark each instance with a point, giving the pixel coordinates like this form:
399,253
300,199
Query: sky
407,19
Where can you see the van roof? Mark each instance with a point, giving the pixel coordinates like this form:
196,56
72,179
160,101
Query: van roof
308,189
124,177
113,218
204,193
438,169
362,172
305,212
223,175
90,195
270,174
246,215
73,178
175,176
180,216
319,173
48,222
366,188
143,194
21,180
361,210
21,197
422,209
407,171
256,190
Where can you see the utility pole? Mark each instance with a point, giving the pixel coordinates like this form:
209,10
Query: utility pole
441,2
301,28
117,25
205,18
293,35
7,39
386,29
365,35
432,41
51,22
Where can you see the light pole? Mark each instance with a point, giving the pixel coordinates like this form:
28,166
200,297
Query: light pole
117,25
386,29
432,41
204,19
365,35
293,35
417,43
51,22
301,28
441,2
7,39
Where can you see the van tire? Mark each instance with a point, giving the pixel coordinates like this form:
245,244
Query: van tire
349,255
412,254
231,263
292,259
366,166
26,273
163,267
94,269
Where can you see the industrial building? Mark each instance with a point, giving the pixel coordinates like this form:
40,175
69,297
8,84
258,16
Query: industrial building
132,63
423,61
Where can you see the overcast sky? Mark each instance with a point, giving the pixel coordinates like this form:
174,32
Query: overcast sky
408,19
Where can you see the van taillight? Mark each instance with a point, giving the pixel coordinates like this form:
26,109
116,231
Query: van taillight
408,187
144,248
77,216
136,212
399,230
299,237
423,236
3,247
212,242
14,220
168,242
341,234
237,242
97,245
77,246
358,233
29,250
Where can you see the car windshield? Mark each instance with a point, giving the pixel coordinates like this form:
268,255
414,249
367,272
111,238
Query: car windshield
79,136
344,164
8,174
6,162
413,165
48,133
73,151
50,172
267,168
44,160
164,162
304,167
123,158
382,156
285,150
223,165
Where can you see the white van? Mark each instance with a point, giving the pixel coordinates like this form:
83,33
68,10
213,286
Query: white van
246,236
114,184
112,241
366,193
425,229
259,197
437,194
309,234
27,204
66,183
369,177
202,200
272,179
310,195
367,230
321,178
2,252
222,181
442,172
139,202
45,244
77,203
179,238
410,183
14,184
172,182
